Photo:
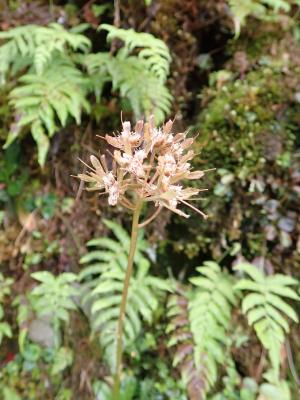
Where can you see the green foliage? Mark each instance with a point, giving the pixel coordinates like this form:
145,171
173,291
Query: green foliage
10,174
63,359
9,394
262,9
38,46
143,388
153,54
140,78
181,340
52,88
53,296
103,284
252,149
209,313
234,387
249,132
128,389
39,99
274,388
5,284
266,308
247,388
23,376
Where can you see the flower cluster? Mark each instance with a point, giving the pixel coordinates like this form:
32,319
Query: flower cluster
148,165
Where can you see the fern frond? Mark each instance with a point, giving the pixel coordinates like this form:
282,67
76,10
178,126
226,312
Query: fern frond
132,77
181,339
103,285
58,93
209,315
266,308
146,94
152,51
39,44
200,324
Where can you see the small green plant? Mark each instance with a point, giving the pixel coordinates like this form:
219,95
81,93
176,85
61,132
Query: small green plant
267,309
54,297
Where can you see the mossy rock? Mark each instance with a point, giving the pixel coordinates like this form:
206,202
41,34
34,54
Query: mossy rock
249,132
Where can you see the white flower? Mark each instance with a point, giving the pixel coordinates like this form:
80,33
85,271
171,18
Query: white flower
168,164
113,194
108,180
147,165
126,132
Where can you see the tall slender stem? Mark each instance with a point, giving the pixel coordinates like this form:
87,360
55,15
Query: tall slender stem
119,352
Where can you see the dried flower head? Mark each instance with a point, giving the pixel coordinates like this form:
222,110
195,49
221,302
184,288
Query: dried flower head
148,165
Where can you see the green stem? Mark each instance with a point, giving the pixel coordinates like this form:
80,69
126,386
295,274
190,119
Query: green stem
119,351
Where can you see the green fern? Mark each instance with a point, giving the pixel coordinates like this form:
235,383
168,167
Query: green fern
103,284
53,88
139,78
153,52
199,328
183,345
144,91
59,92
97,68
36,45
210,314
266,308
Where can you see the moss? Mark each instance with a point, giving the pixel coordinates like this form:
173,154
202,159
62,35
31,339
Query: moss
248,130
248,124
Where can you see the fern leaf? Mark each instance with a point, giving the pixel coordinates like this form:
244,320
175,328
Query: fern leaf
103,285
199,327
181,340
135,77
266,308
154,53
40,99
209,315
40,44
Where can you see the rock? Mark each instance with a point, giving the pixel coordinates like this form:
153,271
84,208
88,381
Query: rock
286,224
41,332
